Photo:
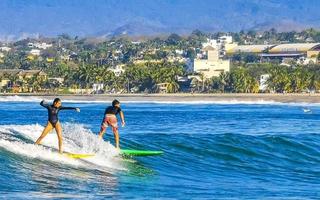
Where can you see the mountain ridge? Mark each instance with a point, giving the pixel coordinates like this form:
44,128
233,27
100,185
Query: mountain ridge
22,18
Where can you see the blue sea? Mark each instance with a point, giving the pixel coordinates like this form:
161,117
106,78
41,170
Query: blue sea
212,150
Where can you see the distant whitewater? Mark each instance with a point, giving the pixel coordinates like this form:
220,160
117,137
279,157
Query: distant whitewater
69,99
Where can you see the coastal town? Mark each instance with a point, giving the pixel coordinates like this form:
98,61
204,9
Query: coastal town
160,99
243,62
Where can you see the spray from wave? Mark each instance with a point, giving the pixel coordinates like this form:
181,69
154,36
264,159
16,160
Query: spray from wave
19,140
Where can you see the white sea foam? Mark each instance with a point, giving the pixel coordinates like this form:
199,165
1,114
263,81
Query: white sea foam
40,152
204,102
189,102
17,98
77,139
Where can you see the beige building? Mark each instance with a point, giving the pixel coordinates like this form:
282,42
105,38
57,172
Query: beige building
20,76
23,74
212,65
162,88
312,54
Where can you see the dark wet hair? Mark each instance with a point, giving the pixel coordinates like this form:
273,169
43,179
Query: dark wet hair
115,102
56,100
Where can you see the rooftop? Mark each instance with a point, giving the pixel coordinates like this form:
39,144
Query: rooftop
295,47
276,49
250,49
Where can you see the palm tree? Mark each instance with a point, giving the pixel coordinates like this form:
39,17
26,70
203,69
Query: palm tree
108,77
85,75
223,80
13,78
279,80
172,87
203,79
313,82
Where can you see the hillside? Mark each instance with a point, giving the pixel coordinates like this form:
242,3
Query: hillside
21,18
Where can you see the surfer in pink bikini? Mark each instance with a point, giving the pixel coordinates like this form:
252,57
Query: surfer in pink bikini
110,119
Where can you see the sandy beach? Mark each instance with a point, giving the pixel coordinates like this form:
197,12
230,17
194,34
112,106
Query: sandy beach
284,98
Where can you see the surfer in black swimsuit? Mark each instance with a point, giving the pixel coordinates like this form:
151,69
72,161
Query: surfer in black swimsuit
53,120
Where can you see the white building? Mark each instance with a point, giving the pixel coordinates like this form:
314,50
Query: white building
307,61
5,49
30,45
226,39
135,42
60,80
35,52
118,70
210,42
222,44
39,45
97,87
65,57
179,51
42,45
263,86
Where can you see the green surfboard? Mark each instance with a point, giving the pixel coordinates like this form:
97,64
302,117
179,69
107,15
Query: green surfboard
132,152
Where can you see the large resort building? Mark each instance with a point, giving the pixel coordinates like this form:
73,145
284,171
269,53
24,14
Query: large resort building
308,51
212,64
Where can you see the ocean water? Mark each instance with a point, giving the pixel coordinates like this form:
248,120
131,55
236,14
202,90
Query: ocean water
213,150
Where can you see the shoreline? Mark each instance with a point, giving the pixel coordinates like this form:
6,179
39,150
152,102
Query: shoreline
179,97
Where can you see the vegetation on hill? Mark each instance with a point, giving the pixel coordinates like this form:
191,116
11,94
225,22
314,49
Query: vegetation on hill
82,62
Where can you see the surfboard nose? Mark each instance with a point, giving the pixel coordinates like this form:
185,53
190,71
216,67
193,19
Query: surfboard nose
132,152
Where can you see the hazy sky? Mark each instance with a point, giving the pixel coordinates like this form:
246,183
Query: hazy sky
98,17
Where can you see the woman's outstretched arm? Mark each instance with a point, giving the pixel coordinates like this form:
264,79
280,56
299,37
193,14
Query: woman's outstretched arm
69,108
44,104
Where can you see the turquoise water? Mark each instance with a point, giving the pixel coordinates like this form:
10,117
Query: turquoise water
212,151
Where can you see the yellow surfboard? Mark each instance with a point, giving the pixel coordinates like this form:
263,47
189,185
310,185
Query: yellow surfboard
77,156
